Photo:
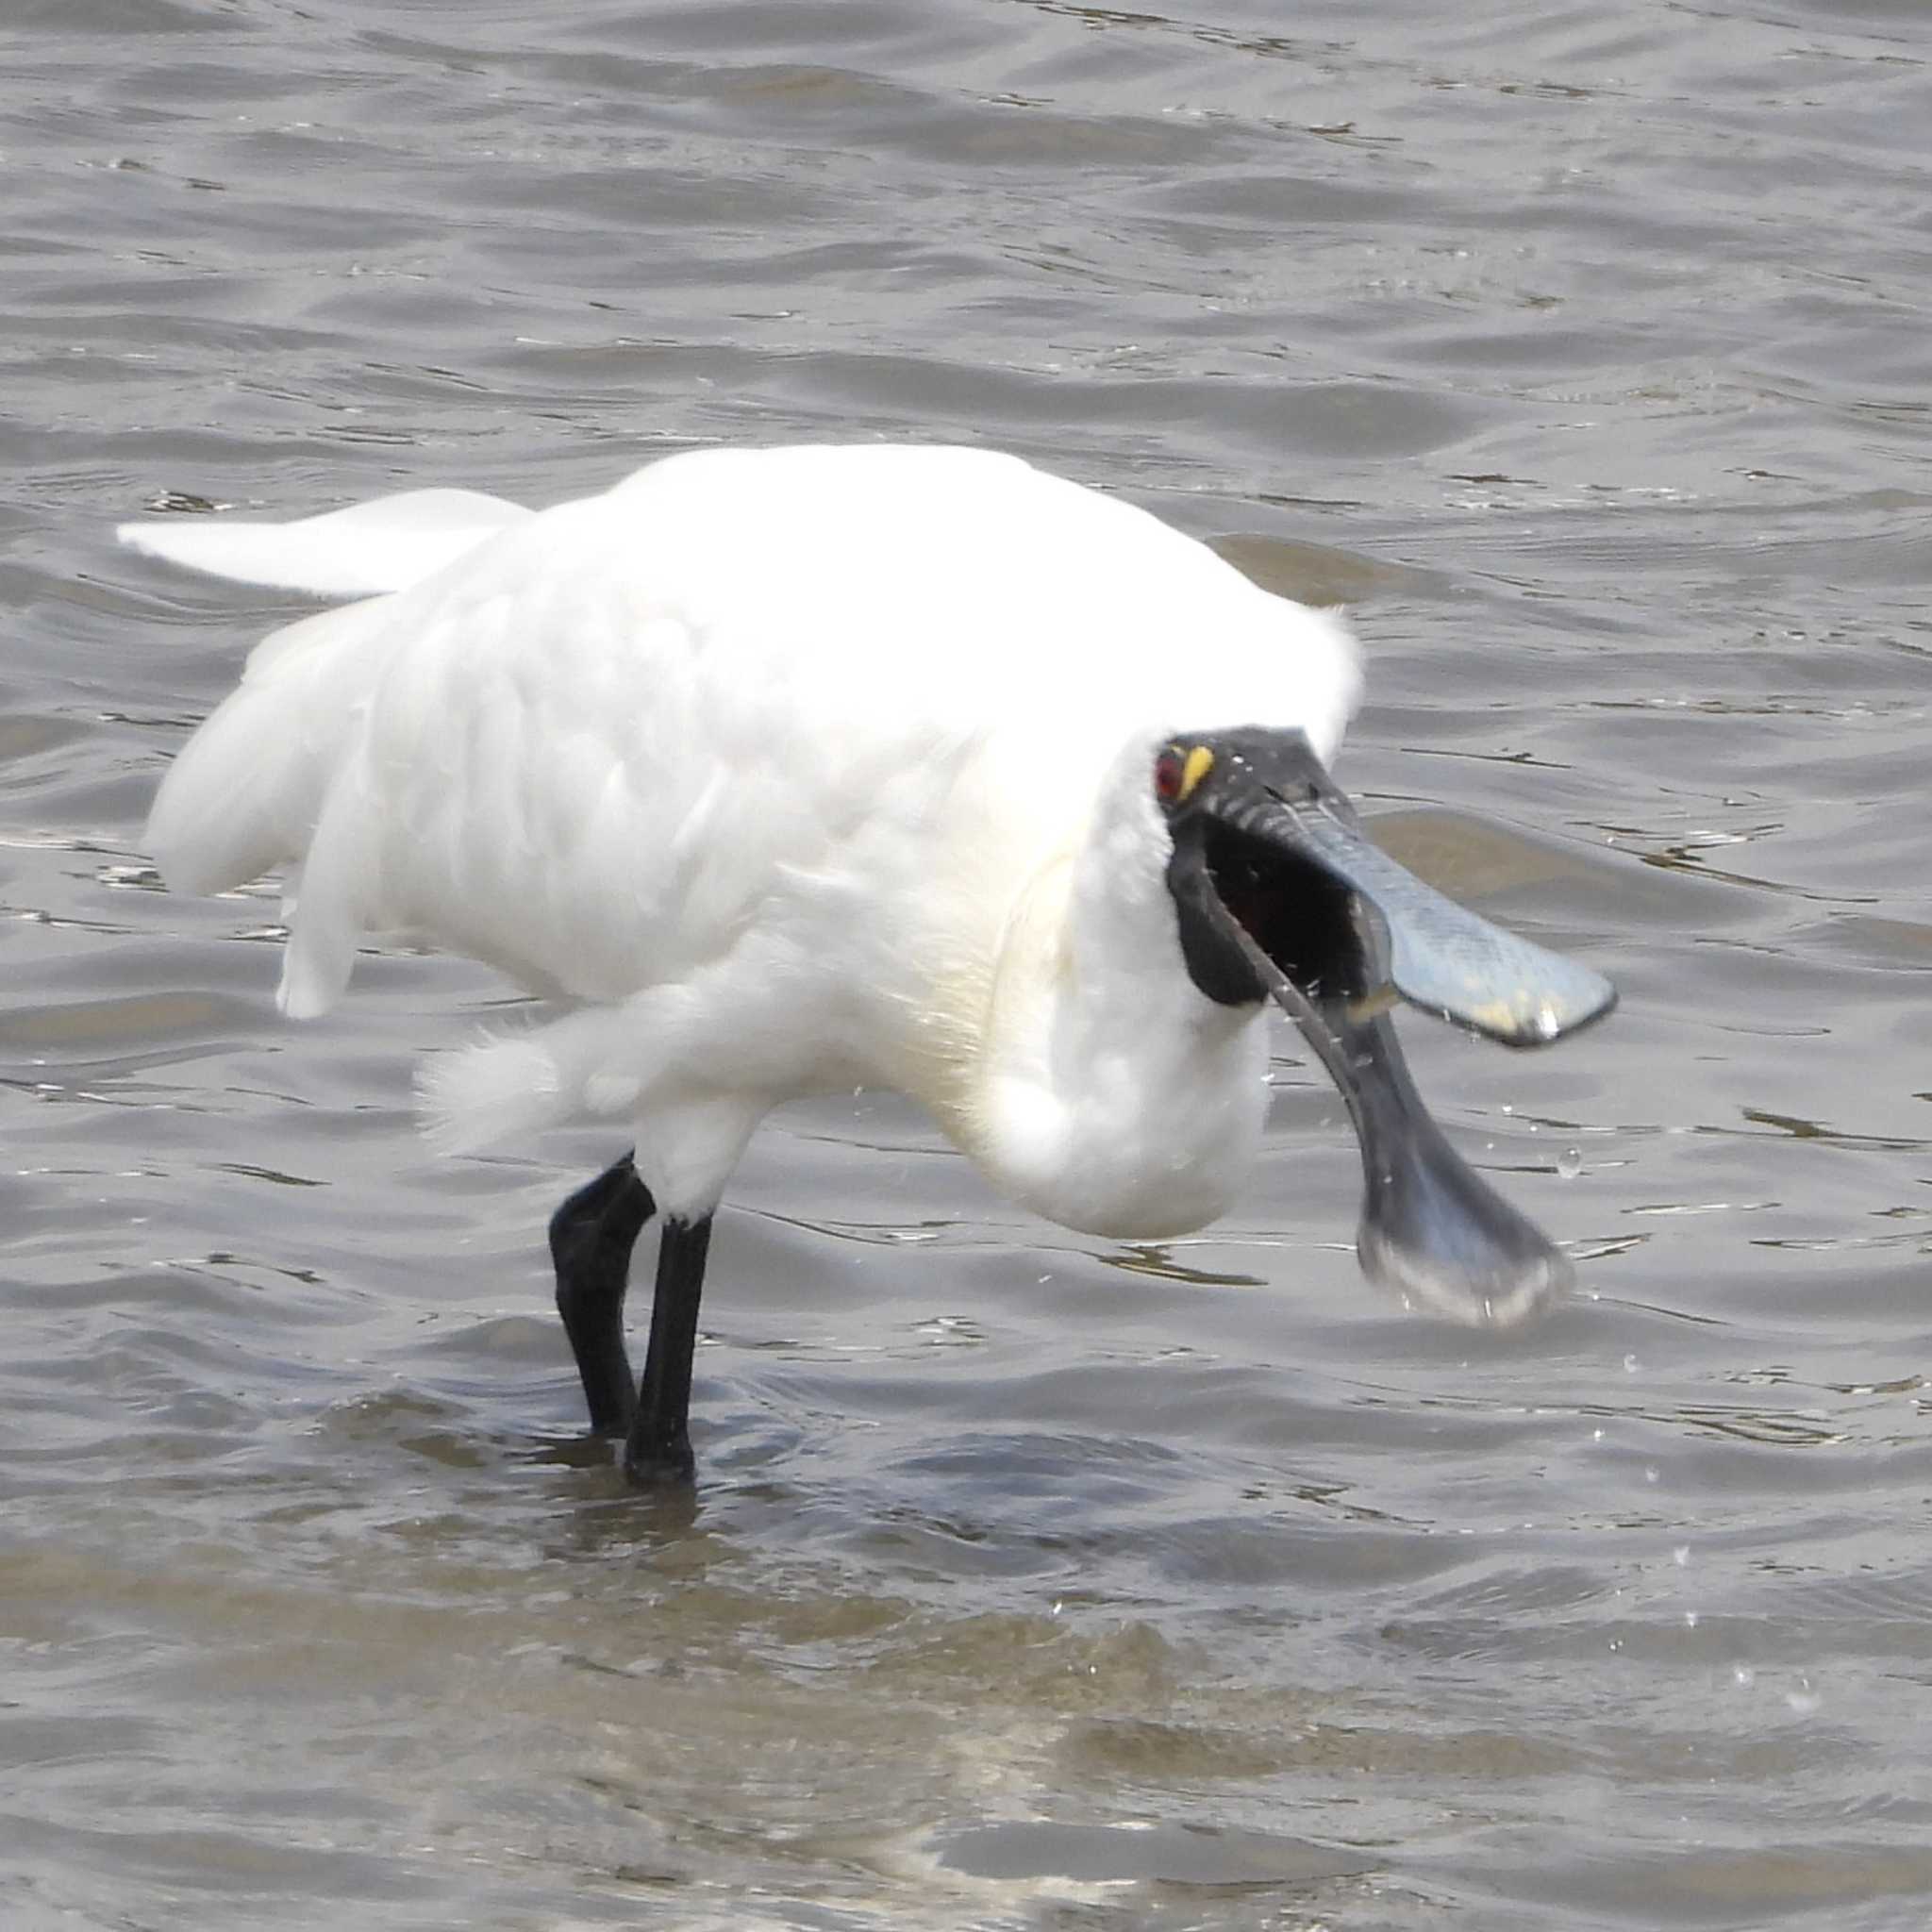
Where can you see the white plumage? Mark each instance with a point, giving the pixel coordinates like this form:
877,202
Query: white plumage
769,761
778,772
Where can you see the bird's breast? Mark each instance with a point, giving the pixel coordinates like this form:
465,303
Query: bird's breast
1153,1140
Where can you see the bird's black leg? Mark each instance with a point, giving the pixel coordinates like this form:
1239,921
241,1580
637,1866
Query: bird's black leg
658,1448
591,1238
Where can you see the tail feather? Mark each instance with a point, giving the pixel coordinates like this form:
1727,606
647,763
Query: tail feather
386,545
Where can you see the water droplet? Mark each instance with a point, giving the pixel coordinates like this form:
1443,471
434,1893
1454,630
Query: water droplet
1569,1163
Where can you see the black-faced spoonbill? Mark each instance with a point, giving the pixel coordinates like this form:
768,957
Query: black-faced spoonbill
785,771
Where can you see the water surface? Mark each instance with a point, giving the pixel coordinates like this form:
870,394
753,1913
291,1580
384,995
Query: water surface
1032,1582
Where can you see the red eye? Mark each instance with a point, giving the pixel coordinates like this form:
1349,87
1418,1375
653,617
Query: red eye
1169,773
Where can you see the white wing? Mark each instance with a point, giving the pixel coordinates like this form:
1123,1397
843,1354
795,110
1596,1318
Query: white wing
594,748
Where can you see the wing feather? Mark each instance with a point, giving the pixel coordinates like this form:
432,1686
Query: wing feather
595,749
385,544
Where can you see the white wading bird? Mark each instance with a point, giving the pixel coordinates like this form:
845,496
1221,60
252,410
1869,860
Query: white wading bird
788,771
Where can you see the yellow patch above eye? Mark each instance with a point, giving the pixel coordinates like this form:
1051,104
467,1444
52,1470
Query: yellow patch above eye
1200,762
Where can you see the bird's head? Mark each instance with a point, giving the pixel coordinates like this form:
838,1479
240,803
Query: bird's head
1279,893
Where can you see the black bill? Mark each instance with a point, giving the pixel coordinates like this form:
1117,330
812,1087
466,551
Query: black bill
1281,893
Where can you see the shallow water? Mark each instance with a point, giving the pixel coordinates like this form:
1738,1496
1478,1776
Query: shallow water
1031,1582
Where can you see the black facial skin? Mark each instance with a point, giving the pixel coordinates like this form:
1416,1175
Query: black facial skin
1302,917
1258,919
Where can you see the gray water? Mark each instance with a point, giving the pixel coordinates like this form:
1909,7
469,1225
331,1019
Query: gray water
1031,1582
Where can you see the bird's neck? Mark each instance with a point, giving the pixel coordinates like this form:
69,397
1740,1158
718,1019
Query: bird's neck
1110,1093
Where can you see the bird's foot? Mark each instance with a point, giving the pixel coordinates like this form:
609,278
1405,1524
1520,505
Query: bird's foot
662,1465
